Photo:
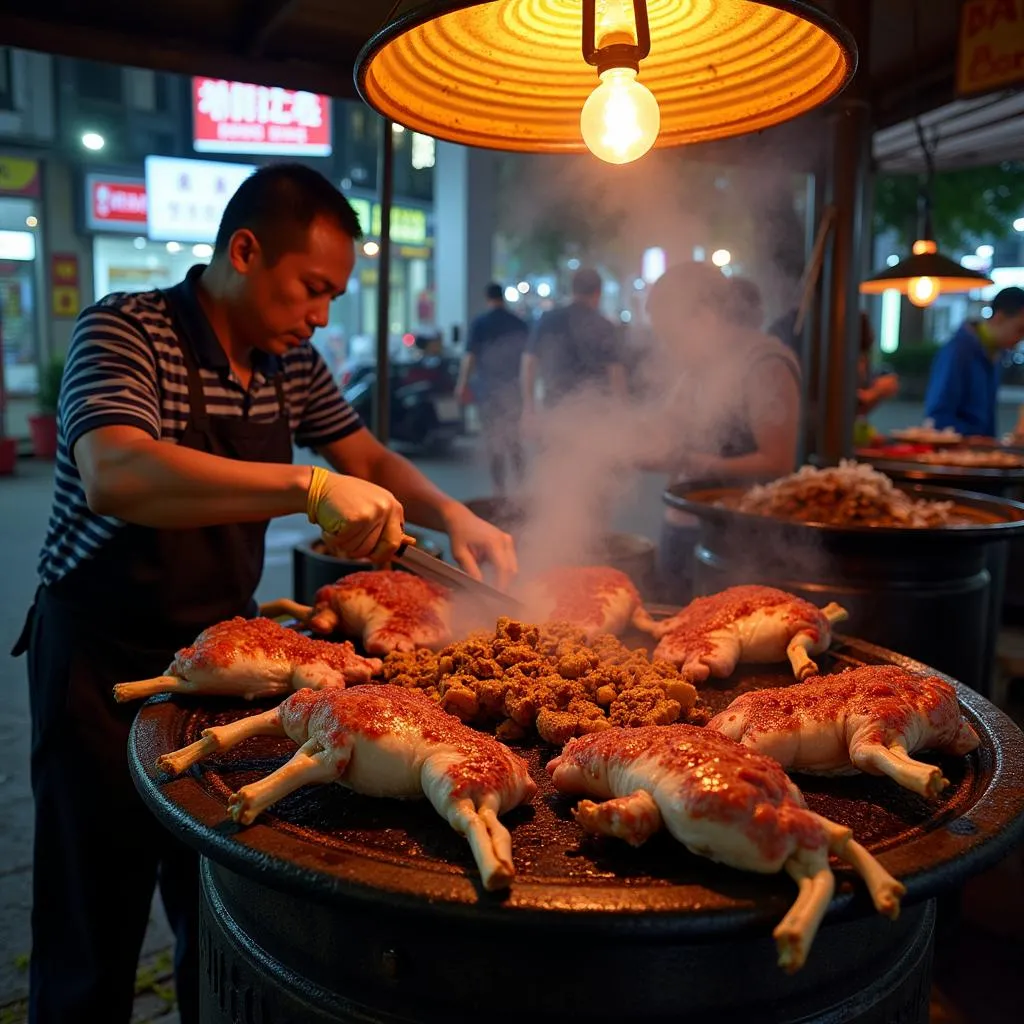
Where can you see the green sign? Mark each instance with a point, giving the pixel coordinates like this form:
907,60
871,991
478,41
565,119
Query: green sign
408,224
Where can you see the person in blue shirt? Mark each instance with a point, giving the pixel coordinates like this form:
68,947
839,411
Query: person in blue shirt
965,373
490,371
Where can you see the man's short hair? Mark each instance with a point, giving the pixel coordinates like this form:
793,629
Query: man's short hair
494,292
1009,302
586,282
687,288
278,204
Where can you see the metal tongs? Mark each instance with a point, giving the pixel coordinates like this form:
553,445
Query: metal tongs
436,571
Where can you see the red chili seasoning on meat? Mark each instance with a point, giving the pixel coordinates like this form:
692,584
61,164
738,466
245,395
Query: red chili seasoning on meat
582,593
411,603
258,640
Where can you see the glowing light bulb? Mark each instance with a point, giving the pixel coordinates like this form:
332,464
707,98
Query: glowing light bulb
922,291
620,119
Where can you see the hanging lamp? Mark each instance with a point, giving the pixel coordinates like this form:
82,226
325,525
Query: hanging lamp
614,76
926,273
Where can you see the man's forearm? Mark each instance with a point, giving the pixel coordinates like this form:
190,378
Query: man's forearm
153,483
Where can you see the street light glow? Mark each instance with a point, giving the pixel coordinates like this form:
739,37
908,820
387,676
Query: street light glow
93,141
721,257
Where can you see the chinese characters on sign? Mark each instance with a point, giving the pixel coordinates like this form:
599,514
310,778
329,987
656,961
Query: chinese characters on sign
236,117
991,52
187,197
115,204
64,285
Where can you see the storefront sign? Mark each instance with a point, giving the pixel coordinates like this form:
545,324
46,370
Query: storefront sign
19,177
236,117
187,197
408,224
115,204
67,298
991,51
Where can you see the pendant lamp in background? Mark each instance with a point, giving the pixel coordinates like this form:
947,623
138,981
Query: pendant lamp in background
926,274
614,76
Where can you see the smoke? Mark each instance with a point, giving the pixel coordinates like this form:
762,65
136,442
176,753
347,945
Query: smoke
591,450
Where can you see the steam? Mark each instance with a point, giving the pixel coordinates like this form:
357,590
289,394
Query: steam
592,451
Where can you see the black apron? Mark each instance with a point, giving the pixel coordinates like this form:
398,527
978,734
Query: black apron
121,615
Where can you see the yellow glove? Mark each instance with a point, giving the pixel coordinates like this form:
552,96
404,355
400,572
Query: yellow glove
358,518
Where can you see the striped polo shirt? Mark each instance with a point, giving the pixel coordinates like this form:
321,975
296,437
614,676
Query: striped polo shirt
125,368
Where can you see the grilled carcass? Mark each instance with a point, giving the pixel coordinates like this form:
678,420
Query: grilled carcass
254,658
723,802
383,741
867,719
712,635
594,598
388,610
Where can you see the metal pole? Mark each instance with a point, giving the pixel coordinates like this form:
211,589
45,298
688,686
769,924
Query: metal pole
847,185
386,188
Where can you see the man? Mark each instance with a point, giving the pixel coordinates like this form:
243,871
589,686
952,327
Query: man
573,347
491,367
964,382
177,418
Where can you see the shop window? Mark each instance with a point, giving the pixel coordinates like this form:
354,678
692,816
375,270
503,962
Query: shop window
6,82
96,81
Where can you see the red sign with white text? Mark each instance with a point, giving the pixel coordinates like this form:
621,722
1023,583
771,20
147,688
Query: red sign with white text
236,117
117,203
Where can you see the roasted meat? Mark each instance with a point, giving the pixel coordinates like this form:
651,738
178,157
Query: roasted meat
388,610
868,719
723,802
388,742
712,635
595,599
254,658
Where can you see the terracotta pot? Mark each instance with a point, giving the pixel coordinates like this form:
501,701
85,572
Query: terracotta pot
8,455
43,429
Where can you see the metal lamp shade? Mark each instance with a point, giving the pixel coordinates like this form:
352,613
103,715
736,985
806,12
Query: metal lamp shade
510,74
947,273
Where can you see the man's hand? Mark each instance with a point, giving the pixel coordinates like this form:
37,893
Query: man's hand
887,386
474,541
358,519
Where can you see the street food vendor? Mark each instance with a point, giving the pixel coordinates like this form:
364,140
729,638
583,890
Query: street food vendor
178,414
965,375
732,411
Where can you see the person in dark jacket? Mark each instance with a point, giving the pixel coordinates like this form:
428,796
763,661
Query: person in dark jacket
964,382
490,373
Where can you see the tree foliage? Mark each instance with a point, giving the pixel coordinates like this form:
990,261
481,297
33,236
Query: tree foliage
968,206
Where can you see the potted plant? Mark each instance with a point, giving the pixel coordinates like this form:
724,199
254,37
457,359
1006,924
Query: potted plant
43,426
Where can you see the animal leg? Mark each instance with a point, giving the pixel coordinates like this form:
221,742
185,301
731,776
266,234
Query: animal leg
642,620
221,737
323,619
284,607
488,839
310,763
894,761
885,890
796,651
142,688
634,818
795,932
835,613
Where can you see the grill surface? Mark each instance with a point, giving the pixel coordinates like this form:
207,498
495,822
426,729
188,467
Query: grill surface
328,841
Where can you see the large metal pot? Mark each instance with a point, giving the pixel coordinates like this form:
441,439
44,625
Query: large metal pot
630,553
924,592
337,907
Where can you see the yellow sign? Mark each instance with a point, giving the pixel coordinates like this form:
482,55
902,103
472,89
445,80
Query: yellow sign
408,224
19,177
67,300
991,50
